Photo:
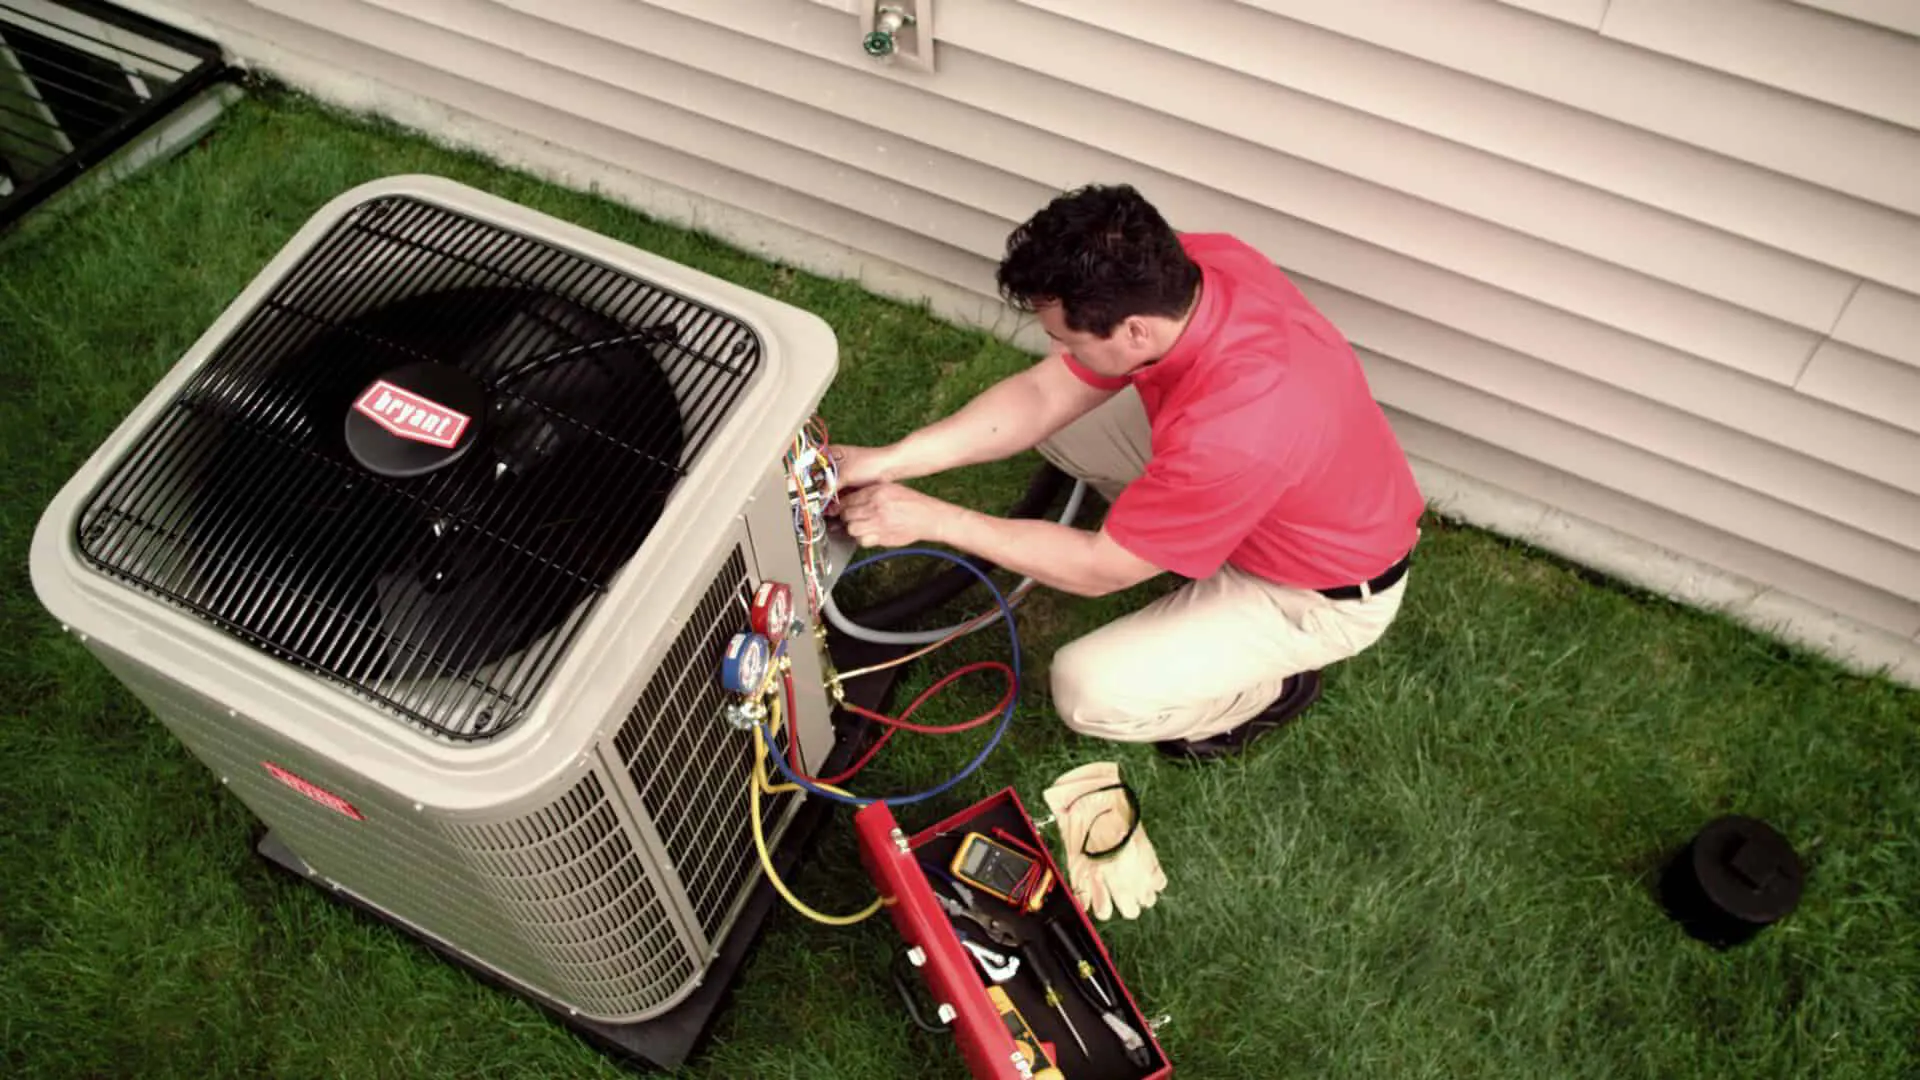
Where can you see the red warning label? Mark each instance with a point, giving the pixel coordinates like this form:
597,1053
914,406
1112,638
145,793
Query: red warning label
314,791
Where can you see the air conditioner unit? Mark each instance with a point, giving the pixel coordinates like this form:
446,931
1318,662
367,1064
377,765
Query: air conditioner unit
430,548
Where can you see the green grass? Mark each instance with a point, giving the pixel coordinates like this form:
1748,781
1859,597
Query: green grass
1442,871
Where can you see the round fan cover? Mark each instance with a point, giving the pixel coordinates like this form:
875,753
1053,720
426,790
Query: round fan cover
437,560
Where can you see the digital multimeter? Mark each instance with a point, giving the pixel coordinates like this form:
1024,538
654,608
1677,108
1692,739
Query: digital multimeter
998,870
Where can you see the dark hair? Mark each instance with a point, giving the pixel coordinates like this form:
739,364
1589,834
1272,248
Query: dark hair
1104,254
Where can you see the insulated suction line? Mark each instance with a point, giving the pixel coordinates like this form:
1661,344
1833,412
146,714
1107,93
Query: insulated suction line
936,638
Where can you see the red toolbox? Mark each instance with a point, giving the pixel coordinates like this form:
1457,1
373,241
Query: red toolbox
913,874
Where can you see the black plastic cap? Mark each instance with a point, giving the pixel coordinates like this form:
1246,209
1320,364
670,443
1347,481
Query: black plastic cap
1736,876
1747,869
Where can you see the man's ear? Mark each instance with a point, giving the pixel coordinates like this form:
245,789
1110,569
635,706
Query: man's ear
1138,334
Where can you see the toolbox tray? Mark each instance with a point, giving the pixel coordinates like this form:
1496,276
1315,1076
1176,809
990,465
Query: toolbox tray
951,975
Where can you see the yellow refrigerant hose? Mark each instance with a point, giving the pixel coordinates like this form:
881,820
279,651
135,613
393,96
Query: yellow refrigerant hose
756,786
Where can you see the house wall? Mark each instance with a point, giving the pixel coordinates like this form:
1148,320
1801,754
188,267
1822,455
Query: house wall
1637,280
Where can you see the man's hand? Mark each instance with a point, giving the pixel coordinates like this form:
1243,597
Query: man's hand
861,466
892,515
1057,556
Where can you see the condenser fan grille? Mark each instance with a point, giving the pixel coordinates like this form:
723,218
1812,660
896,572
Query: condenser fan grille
415,466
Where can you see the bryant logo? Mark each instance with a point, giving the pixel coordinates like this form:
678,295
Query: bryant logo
410,416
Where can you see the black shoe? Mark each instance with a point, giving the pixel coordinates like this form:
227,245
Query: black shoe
1301,691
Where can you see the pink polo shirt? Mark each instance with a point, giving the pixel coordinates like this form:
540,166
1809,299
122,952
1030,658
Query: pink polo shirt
1269,452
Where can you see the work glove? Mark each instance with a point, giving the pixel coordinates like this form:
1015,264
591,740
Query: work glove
1111,865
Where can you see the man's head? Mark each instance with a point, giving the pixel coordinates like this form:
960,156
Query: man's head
1106,276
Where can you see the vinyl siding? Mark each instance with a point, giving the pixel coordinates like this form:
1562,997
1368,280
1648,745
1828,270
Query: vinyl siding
1654,264
1836,61
1902,15
1868,384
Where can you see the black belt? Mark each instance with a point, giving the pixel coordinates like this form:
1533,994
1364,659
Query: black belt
1386,580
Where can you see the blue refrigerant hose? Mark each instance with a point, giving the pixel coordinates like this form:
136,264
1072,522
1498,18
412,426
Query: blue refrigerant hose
1006,717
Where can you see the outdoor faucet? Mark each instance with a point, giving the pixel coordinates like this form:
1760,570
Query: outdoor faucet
889,20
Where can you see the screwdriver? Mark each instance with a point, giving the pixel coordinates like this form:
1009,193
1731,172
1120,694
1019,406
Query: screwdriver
1053,999
1094,988
1075,959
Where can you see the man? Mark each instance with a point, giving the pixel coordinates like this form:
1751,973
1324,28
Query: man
1231,429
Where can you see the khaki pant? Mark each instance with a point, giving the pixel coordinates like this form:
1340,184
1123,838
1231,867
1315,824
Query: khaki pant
1201,660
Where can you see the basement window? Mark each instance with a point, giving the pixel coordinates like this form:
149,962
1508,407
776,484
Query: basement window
79,80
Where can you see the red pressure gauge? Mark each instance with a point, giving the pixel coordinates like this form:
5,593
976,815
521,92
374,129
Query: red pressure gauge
772,611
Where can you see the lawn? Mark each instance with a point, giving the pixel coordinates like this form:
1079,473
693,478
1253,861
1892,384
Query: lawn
1442,871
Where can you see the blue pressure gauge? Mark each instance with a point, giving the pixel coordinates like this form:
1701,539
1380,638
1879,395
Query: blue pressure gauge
744,666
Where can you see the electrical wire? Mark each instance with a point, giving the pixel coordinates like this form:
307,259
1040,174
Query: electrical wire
810,450
1006,714
811,446
945,634
652,335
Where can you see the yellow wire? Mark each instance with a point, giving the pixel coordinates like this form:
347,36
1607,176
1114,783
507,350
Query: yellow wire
755,786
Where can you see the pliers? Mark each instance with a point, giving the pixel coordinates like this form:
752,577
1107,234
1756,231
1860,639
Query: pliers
996,931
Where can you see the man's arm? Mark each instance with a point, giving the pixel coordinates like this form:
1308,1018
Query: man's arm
1011,416
1058,556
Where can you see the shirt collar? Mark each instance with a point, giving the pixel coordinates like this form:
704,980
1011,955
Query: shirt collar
1193,337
